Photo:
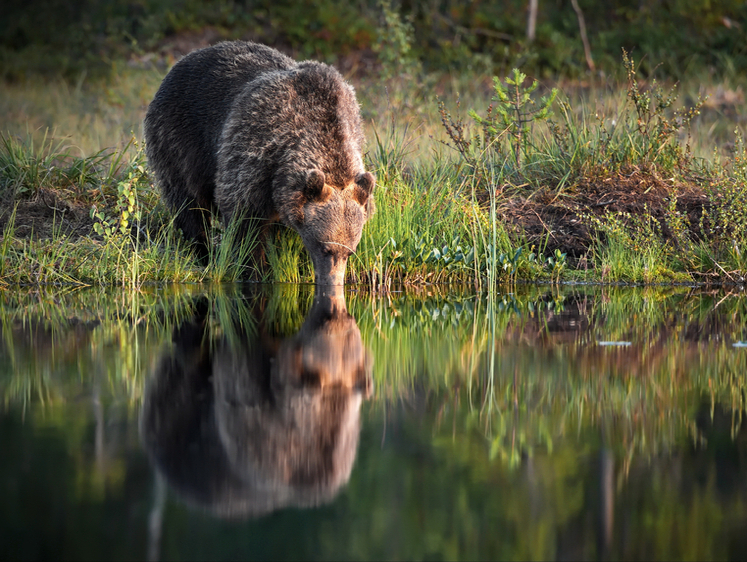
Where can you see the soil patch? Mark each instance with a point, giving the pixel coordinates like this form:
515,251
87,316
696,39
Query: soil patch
47,214
565,215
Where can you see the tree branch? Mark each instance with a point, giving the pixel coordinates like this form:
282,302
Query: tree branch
584,38
532,21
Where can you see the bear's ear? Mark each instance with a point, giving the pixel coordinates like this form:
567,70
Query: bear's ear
314,184
364,187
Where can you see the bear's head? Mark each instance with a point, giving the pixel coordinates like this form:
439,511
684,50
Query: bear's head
332,222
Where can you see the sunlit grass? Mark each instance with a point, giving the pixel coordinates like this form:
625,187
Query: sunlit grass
439,218
287,258
88,261
92,115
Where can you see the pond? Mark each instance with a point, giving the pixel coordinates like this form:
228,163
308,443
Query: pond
273,422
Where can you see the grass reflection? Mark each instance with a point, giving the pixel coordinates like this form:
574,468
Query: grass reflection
56,342
522,368
527,368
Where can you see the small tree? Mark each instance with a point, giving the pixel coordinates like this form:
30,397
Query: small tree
513,111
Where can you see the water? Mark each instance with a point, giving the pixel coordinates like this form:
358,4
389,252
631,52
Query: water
272,423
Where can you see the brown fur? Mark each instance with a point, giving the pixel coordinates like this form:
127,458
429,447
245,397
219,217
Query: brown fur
244,130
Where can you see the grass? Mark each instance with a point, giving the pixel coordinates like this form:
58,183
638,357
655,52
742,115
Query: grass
471,199
28,167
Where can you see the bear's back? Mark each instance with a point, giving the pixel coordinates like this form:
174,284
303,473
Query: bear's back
302,118
184,121
202,85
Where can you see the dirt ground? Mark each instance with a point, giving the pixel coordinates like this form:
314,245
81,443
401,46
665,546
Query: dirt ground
562,213
45,214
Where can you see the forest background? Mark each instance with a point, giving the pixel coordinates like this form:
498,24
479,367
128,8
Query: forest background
543,38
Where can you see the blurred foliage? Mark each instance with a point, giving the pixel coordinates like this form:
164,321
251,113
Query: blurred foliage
680,34
85,36
82,37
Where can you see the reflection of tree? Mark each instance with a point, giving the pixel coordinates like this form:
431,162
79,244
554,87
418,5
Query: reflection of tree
582,501
255,422
155,520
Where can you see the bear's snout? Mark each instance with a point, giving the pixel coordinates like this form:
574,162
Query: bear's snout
329,268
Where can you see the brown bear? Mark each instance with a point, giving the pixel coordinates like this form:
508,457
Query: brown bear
241,129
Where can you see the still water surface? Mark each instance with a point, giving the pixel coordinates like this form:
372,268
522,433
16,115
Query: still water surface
274,423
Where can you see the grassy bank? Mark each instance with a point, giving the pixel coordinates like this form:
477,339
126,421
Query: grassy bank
478,183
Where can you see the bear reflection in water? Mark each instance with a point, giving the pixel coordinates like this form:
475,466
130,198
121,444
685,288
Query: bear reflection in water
247,425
